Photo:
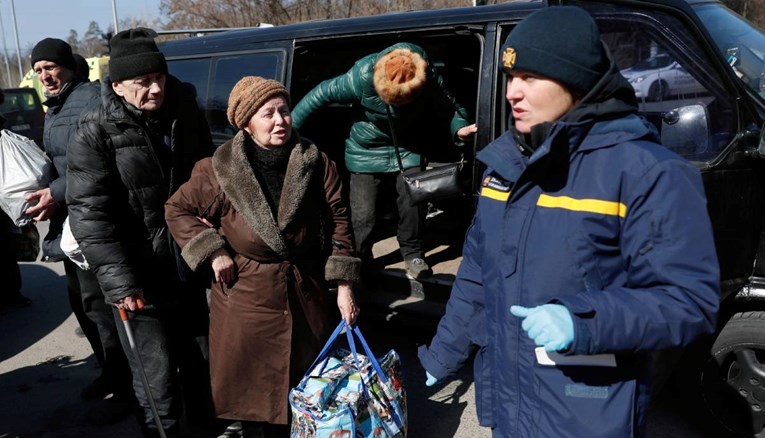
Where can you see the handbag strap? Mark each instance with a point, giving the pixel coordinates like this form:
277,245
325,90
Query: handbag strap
395,143
325,351
395,138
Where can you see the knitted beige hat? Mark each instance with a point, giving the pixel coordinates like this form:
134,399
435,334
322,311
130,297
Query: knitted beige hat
399,76
248,95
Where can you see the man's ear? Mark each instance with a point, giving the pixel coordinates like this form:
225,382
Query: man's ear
117,87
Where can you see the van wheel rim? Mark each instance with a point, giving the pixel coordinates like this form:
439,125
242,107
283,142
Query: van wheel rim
746,375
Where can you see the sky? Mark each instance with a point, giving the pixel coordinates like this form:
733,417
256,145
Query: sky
38,19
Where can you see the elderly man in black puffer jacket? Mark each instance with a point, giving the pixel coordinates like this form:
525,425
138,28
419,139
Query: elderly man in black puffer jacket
68,94
131,152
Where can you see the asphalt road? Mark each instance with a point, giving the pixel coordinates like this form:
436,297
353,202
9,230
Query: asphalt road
44,365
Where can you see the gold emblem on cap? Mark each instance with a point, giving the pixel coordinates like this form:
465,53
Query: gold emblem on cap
508,57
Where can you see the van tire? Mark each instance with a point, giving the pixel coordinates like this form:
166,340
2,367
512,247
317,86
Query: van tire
734,379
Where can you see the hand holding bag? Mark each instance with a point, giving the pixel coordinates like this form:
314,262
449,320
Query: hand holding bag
428,185
348,395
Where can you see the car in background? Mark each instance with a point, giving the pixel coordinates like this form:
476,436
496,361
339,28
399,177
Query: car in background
660,77
23,113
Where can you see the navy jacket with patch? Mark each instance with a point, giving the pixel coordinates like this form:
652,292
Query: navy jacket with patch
604,220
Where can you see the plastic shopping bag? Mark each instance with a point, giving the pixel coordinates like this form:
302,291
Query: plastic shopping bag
349,395
71,248
24,168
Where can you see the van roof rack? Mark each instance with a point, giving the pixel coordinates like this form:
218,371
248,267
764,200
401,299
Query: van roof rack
200,32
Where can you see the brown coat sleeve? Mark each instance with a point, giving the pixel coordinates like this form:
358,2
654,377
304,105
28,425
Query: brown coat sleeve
200,196
341,265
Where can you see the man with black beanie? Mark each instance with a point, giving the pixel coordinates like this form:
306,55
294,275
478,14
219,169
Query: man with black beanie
68,95
133,149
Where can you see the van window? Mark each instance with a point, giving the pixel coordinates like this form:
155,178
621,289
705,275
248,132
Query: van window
227,71
214,77
195,72
668,69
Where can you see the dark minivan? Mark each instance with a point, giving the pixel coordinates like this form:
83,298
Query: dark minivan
23,113
697,68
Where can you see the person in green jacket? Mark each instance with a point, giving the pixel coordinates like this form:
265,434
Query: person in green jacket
397,88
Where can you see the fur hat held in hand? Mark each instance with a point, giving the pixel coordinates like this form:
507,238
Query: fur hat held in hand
248,95
574,56
53,50
134,53
400,76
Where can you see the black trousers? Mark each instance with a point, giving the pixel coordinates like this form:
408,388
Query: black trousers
74,294
9,267
100,315
171,337
151,332
364,191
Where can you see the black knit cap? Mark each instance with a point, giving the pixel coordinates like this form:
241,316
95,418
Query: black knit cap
81,65
53,50
560,43
134,53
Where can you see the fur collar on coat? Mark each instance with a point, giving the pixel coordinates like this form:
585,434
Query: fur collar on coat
238,182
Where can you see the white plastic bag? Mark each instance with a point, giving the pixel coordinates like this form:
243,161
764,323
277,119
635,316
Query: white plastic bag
71,248
24,168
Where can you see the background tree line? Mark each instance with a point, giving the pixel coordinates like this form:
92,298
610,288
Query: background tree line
205,14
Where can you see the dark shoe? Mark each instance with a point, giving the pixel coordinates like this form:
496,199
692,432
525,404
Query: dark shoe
107,411
416,268
98,388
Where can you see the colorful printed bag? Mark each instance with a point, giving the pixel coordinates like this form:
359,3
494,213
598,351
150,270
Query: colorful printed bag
350,395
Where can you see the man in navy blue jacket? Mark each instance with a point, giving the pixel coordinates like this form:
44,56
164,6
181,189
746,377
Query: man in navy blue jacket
589,239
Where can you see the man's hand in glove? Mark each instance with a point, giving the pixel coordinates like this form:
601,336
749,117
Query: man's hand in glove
549,325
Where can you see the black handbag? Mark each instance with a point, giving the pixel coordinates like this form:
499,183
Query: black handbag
428,185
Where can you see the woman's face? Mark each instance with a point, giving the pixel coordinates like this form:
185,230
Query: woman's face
536,100
271,125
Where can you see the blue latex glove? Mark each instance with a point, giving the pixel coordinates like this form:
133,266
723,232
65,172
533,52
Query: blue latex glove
549,325
430,379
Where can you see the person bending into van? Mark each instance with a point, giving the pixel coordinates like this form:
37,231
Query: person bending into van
400,83
132,150
589,238
68,96
281,231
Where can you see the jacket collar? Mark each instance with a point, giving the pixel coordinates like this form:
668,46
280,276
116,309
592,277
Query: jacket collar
504,156
58,99
238,182
117,110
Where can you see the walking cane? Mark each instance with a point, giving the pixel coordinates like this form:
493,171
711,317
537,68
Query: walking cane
126,321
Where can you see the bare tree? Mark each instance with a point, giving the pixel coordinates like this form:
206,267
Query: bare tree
752,10
92,43
73,40
190,14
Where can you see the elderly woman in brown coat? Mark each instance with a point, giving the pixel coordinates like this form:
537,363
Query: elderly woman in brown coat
267,212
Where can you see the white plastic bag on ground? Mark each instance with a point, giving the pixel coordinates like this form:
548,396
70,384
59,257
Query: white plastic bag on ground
24,168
